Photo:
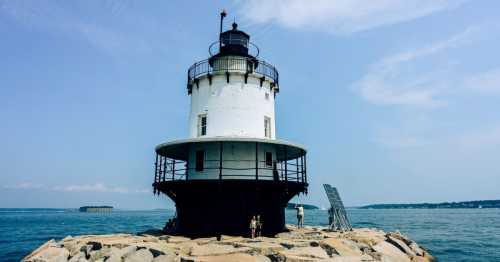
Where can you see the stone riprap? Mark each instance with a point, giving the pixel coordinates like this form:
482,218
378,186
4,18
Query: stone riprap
305,244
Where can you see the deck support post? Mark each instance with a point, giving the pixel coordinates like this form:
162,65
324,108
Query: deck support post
173,169
220,160
302,168
257,161
165,159
297,167
286,165
156,168
305,168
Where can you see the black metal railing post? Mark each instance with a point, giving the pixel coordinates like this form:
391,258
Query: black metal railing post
173,169
164,168
302,168
305,167
160,165
156,168
220,160
257,161
297,167
286,165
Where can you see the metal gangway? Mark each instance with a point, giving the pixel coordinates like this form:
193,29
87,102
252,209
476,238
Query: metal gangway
337,215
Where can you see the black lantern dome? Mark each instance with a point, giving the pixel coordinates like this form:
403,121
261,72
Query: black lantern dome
234,42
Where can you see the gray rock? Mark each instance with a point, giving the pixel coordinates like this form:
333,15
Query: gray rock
261,247
79,257
166,258
294,243
216,249
401,245
156,252
415,248
305,253
390,253
102,253
239,257
73,246
94,245
116,254
339,246
174,239
67,238
52,254
141,255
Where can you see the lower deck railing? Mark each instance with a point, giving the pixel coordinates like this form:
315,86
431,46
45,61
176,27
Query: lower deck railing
167,169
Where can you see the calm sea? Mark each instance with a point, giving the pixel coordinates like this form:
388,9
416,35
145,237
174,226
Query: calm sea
449,234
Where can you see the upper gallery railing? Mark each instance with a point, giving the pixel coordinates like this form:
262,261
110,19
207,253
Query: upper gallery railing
231,64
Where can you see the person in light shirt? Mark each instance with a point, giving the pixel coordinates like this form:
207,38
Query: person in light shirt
253,226
300,216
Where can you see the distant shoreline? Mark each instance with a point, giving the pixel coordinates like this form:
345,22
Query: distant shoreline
292,205
443,205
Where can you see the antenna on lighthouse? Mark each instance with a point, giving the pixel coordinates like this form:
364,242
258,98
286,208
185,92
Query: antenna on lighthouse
222,15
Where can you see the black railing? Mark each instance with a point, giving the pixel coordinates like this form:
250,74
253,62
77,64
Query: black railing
167,169
232,64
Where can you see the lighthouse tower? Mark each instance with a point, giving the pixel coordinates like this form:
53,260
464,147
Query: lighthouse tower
231,167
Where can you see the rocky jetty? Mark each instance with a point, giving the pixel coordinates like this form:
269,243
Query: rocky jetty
306,244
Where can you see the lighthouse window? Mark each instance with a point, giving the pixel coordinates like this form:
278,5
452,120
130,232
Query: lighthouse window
200,160
267,127
202,125
269,159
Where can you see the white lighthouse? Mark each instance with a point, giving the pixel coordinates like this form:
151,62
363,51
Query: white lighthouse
231,166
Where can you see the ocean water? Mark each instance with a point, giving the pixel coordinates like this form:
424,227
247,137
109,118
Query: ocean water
449,234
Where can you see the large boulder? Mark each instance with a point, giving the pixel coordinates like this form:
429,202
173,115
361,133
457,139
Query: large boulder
51,254
116,254
166,258
401,246
80,257
158,248
240,257
390,253
261,247
367,236
305,253
216,249
174,239
141,255
287,243
342,247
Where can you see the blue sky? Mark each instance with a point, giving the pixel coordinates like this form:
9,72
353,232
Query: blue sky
396,101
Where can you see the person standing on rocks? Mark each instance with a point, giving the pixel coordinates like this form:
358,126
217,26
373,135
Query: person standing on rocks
259,226
253,226
300,216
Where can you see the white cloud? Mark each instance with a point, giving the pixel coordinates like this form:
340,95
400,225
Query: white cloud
340,16
97,187
396,79
24,185
484,82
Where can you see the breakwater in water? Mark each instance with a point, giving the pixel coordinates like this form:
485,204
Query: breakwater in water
295,244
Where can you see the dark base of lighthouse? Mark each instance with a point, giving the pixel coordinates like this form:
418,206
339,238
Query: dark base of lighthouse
213,207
